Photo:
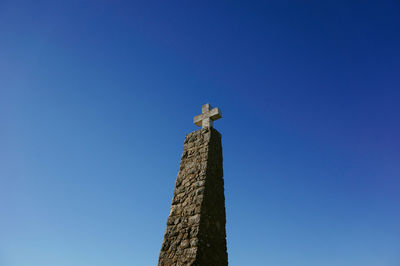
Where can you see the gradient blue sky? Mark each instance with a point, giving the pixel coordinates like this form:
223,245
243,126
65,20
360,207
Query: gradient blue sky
96,98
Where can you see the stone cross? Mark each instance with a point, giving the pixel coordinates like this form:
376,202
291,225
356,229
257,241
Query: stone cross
207,116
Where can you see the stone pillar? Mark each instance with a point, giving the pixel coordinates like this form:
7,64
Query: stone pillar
195,233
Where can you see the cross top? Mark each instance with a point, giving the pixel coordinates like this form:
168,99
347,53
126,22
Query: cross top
207,116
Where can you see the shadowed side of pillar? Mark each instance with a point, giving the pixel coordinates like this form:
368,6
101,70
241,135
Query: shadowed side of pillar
212,235
195,233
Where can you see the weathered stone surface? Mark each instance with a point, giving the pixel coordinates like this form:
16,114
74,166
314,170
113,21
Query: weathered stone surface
195,233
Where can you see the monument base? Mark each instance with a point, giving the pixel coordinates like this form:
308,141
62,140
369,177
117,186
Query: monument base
195,233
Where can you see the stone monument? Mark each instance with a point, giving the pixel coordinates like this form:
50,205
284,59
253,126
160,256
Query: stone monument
195,233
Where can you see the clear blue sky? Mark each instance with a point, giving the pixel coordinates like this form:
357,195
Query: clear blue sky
96,98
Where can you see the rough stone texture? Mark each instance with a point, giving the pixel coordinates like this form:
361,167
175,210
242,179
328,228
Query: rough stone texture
195,233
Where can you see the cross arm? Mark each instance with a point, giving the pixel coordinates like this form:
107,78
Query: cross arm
197,119
215,114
